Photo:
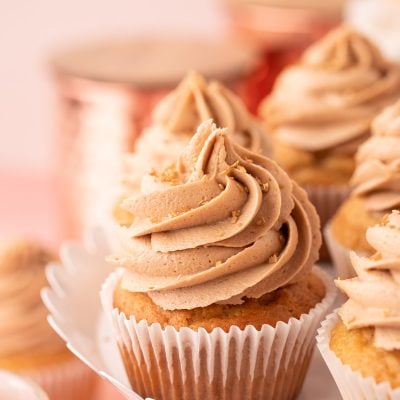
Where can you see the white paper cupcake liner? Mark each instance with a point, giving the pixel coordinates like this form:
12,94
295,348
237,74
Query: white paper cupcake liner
352,385
166,363
66,380
340,255
326,199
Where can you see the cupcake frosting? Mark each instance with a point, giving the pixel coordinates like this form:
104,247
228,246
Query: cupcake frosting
178,115
222,224
377,175
374,295
23,316
327,100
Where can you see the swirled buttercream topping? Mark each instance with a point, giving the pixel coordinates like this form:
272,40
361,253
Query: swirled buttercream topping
377,176
222,224
23,316
327,100
374,295
178,115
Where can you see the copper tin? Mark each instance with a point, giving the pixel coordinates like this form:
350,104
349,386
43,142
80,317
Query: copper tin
105,99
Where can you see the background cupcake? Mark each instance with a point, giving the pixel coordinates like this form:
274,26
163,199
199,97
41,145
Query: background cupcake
362,347
28,345
376,182
320,111
177,117
218,276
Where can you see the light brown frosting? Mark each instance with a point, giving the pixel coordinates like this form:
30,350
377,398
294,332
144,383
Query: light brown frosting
374,295
178,115
327,100
23,316
222,224
377,175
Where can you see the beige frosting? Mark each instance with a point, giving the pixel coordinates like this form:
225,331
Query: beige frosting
374,295
377,175
178,115
23,316
222,224
327,100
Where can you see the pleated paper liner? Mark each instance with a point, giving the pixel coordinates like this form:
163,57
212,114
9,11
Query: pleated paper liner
326,199
166,363
352,385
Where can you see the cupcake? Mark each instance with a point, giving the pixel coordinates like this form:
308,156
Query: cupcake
361,341
15,387
176,118
320,111
28,345
376,192
218,297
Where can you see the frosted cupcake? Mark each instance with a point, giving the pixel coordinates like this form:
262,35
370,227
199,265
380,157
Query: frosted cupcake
28,345
361,342
376,192
320,111
177,117
218,277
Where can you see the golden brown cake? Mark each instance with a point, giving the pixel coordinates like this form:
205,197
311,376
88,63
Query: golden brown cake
350,223
26,339
288,302
356,348
376,189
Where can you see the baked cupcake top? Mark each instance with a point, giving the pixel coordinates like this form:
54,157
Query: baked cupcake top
24,327
376,178
327,100
177,117
222,224
374,295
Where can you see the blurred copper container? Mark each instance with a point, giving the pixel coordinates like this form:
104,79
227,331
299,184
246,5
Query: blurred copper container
106,94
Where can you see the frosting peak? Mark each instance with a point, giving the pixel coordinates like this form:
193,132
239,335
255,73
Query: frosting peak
377,176
222,224
326,102
342,49
374,295
178,115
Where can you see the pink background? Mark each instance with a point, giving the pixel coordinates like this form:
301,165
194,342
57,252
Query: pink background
29,32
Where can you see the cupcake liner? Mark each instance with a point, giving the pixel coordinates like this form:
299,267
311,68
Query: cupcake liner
166,363
352,385
70,379
340,255
326,199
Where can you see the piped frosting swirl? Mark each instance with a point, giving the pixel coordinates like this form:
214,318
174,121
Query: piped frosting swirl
222,224
178,115
327,100
374,295
23,316
377,176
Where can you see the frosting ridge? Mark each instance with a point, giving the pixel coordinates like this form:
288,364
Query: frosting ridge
222,224
377,175
342,81
24,324
374,295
